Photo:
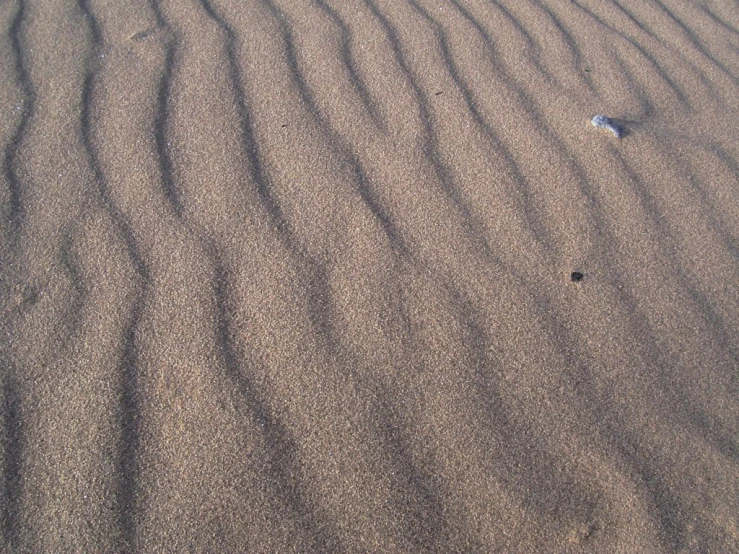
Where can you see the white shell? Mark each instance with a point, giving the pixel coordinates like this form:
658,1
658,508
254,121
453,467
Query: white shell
608,124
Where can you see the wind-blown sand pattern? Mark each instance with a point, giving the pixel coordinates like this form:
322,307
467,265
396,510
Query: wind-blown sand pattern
295,276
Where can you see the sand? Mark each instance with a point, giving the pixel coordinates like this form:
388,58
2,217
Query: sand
297,276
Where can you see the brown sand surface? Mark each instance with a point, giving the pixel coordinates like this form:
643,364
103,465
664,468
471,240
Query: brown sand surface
295,276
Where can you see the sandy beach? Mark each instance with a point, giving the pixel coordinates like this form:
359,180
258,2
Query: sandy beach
361,276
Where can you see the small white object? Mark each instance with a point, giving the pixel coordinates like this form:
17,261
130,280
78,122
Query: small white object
608,124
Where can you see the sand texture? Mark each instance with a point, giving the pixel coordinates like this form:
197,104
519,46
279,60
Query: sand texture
298,276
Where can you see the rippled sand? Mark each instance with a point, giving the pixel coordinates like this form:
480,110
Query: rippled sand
297,276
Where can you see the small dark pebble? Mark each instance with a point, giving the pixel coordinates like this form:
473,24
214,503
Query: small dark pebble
284,125
438,93
576,276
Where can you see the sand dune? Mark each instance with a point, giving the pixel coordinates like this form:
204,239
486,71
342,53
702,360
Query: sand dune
296,276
